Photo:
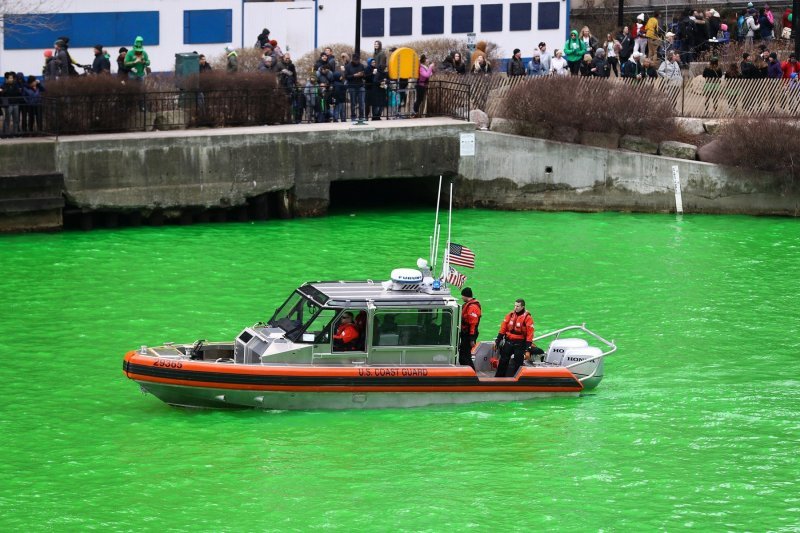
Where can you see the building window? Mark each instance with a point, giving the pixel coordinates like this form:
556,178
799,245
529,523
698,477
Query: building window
432,20
85,29
549,15
463,19
207,26
400,21
372,23
520,17
492,17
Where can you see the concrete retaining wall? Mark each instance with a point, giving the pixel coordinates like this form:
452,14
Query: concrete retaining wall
514,172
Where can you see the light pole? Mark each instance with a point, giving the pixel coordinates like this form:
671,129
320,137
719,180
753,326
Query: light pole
357,48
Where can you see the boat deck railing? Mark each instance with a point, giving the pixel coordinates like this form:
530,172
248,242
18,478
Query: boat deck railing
610,344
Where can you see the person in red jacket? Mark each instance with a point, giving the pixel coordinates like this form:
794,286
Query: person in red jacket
346,334
515,339
470,319
790,66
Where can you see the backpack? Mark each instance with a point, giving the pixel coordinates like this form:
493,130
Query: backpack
741,27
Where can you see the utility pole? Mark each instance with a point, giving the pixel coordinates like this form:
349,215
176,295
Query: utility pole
620,22
357,48
795,7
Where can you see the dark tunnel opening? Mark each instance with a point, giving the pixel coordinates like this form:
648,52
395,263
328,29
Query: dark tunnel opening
411,193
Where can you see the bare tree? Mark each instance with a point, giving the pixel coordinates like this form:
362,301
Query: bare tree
17,16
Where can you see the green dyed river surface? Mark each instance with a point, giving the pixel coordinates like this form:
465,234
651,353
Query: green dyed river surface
696,425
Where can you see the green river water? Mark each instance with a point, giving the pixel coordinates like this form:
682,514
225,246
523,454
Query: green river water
695,426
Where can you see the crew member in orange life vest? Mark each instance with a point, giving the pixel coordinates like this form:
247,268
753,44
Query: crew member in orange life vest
517,331
346,334
470,318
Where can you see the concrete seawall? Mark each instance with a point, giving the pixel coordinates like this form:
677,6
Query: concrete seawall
208,169
514,172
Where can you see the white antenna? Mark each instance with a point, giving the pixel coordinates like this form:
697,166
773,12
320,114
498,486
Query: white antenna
446,257
435,237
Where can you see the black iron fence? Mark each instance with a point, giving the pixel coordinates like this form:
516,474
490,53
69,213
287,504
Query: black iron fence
185,109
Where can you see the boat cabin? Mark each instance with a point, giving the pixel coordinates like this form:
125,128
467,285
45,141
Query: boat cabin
395,327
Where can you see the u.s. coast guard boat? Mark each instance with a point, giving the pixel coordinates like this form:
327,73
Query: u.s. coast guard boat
405,353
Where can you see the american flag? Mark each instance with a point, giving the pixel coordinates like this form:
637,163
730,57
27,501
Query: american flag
461,255
454,277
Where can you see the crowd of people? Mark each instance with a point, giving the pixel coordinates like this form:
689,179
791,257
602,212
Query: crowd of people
338,83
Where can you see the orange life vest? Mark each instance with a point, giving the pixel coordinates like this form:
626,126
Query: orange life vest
518,327
471,317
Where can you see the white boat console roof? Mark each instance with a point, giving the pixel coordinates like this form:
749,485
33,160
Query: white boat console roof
347,293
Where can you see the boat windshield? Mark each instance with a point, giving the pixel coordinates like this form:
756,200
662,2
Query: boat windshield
295,315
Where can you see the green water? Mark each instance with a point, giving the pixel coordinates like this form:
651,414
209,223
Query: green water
695,426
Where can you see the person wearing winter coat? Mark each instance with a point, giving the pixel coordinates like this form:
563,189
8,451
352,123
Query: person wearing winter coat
559,65
632,68
137,60
612,48
600,68
670,68
774,70
585,68
101,64
32,94
481,66
625,45
752,26
535,67
515,66
573,52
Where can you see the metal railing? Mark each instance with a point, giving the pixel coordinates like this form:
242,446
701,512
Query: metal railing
186,109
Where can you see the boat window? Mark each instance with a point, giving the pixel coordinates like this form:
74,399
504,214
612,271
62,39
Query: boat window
412,327
320,326
294,314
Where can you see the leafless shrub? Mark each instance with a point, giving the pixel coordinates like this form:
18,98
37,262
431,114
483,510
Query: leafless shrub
88,104
240,99
769,144
595,105
249,59
732,52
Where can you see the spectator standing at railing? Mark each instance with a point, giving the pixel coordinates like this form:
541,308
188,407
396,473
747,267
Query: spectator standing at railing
137,60
231,60
10,99
379,56
425,73
747,68
262,39
590,42
276,50
649,69
600,67
288,72
375,88
545,57
32,94
268,65
790,66
774,70
122,70
481,66
101,64
559,65
632,69
651,31
515,66
686,35
535,66
205,66
612,49
574,50
480,50
339,97
355,73
625,45
670,68
459,66
585,68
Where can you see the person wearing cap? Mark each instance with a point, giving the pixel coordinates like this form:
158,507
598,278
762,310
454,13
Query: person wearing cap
515,66
137,60
574,51
470,320
122,70
101,64
790,66
515,340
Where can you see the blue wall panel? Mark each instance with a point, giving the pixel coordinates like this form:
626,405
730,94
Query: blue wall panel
83,29
400,21
492,17
432,20
207,26
463,20
550,15
372,23
520,17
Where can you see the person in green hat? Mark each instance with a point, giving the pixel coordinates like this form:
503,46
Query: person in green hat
574,49
137,60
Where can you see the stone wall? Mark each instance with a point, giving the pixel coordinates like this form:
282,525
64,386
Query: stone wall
514,172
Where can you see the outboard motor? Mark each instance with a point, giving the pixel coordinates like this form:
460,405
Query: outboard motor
592,368
558,348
